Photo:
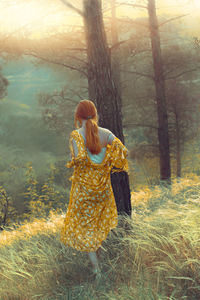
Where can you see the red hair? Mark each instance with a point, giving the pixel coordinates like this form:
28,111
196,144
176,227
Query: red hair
84,109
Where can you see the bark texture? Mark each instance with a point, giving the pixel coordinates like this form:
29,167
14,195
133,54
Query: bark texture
163,135
104,92
115,54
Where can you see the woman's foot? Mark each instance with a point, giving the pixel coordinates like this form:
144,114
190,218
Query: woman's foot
95,264
97,272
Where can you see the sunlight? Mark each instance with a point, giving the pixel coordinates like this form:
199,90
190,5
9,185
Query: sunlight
36,18
179,6
23,14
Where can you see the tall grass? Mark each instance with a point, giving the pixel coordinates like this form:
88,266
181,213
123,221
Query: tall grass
153,255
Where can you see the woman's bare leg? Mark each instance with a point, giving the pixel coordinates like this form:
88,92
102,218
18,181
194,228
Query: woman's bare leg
93,258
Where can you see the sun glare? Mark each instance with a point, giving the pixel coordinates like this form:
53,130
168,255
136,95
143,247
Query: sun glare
36,18
39,17
22,15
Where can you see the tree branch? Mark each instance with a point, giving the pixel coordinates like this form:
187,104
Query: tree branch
3,45
76,58
130,22
182,73
61,95
133,5
139,73
72,7
118,44
75,92
124,41
172,19
58,63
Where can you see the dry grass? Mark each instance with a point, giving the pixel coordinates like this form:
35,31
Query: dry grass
157,256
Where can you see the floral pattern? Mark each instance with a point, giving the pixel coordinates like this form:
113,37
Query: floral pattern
92,210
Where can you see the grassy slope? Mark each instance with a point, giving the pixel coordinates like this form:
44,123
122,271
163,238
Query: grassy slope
158,257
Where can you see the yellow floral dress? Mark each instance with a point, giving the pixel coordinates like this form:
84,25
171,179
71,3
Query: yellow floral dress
92,210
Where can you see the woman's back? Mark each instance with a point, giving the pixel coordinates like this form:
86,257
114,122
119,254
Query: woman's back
106,137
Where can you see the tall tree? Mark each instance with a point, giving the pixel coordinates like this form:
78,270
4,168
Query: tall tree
163,135
115,54
103,90
159,82
183,119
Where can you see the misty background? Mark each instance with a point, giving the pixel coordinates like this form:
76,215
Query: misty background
46,81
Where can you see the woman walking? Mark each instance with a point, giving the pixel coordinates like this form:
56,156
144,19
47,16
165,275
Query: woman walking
92,211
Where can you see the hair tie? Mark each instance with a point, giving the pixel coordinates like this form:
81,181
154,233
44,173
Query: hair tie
89,117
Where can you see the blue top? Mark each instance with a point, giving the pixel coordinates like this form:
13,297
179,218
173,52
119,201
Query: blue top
97,158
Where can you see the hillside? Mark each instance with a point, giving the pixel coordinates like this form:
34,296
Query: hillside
154,256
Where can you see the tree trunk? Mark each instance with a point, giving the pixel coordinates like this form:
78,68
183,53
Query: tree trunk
163,135
103,91
115,55
178,147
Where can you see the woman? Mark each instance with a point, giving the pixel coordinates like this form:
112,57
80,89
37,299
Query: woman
92,212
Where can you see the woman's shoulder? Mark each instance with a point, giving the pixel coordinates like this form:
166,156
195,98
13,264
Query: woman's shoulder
105,130
105,134
109,136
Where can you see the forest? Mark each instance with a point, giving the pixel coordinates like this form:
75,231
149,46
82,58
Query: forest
139,62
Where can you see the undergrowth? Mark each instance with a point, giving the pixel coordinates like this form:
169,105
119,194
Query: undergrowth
153,255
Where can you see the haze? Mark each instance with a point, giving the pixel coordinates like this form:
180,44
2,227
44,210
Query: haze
39,18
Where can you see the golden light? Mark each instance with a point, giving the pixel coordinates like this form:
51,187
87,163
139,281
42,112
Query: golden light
189,9
36,17
23,14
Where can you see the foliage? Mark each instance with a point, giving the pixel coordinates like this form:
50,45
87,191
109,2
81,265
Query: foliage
181,69
7,210
3,85
40,199
56,108
146,163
